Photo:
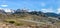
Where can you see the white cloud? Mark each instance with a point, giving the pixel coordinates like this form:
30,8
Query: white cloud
58,10
4,5
47,10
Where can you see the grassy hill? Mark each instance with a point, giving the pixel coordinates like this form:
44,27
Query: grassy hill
25,20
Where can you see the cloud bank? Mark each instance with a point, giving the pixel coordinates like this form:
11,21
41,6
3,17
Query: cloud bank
4,5
47,10
58,10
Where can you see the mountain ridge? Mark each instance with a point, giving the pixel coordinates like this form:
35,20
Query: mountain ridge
26,11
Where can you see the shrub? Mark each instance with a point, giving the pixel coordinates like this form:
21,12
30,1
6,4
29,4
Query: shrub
11,22
18,24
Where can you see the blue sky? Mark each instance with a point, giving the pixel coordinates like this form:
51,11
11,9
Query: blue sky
39,5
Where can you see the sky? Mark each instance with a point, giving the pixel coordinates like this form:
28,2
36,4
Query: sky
37,5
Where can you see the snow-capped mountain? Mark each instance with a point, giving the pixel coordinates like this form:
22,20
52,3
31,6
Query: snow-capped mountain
2,11
7,10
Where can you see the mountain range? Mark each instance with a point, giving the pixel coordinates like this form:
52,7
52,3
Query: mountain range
10,11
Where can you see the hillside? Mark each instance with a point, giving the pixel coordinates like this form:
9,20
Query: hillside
25,19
